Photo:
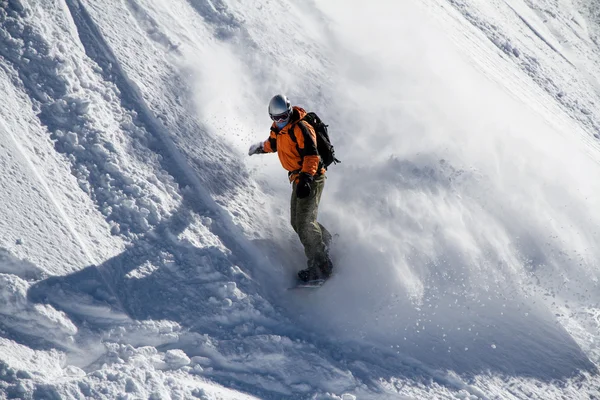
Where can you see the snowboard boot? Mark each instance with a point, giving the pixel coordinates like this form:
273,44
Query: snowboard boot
312,273
326,269
308,274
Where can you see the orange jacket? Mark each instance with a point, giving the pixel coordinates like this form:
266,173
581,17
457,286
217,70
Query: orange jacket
296,148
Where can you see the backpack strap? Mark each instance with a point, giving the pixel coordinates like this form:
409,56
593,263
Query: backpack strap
293,135
302,124
310,148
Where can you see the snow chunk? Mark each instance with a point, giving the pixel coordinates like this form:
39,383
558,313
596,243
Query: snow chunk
230,289
176,359
74,371
21,268
144,270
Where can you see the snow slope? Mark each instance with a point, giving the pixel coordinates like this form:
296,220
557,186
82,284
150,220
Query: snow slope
145,255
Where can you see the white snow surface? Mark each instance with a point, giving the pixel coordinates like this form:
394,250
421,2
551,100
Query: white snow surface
145,256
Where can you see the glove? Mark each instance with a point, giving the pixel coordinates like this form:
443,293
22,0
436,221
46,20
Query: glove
303,186
256,148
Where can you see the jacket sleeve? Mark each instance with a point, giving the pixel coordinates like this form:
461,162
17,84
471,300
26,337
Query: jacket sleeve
307,145
270,145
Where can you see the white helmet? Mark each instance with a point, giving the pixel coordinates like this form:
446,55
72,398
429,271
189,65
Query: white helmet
280,110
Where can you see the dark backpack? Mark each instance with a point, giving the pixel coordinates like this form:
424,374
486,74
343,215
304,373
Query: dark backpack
324,146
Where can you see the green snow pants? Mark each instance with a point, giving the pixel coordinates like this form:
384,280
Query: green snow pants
314,237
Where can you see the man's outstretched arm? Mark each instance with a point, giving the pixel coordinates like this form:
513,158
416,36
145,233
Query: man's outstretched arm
268,146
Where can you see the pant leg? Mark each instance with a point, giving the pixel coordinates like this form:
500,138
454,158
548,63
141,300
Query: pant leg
293,208
306,226
327,237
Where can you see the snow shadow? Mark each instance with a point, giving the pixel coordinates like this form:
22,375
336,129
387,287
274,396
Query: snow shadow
157,277
19,320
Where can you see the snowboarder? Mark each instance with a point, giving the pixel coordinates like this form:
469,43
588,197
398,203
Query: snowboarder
295,142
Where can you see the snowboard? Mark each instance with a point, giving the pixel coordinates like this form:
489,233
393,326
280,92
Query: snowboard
317,283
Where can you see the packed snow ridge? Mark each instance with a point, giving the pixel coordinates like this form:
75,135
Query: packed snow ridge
144,255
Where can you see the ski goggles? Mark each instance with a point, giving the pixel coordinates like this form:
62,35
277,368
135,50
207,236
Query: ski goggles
280,117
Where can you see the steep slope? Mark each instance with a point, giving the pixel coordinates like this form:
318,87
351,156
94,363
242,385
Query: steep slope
147,257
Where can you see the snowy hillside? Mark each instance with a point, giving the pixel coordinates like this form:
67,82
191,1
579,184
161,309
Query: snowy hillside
144,255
